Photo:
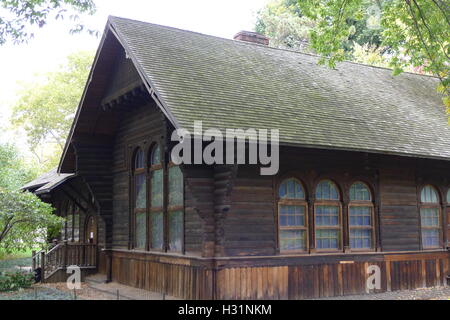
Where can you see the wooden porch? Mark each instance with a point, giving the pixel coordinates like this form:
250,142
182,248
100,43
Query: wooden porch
54,262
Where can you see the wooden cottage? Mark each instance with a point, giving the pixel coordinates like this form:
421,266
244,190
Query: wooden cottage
363,184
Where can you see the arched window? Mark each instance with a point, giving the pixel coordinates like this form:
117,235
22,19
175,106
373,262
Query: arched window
292,215
156,199
176,208
430,218
361,219
327,213
140,200
69,221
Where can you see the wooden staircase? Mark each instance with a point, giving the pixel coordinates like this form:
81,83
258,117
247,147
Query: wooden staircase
54,263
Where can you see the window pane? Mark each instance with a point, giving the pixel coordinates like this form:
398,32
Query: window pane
141,230
291,189
429,195
157,227
156,156
69,224
175,186
430,238
360,216
360,238
429,217
76,227
327,239
175,230
292,216
157,189
141,190
327,215
359,192
292,240
448,197
139,159
326,190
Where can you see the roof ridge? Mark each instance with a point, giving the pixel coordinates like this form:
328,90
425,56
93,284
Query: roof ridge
267,47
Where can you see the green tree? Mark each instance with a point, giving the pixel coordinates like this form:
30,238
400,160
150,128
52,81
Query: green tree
24,221
281,21
14,173
415,32
24,218
46,109
17,16
285,24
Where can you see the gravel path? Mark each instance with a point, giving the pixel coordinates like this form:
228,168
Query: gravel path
36,293
437,293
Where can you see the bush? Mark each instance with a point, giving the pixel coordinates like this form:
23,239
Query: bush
12,281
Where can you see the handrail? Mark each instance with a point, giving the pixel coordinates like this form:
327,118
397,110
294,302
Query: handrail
63,255
55,247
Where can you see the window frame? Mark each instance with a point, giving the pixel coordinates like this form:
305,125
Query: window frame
365,204
175,209
136,172
292,202
339,227
151,169
431,205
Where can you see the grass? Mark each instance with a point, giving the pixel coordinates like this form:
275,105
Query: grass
15,255
10,261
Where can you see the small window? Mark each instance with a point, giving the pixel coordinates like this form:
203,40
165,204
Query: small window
360,217
429,195
448,197
140,201
292,216
326,190
156,200
139,160
359,192
327,213
155,158
430,218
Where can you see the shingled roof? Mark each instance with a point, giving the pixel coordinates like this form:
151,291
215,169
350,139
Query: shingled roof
234,84
47,182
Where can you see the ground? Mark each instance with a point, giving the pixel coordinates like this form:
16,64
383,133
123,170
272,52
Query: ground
95,289
437,293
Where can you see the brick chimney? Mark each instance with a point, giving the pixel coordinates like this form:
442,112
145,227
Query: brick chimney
252,37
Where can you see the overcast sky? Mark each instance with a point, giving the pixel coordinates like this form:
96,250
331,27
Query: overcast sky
53,43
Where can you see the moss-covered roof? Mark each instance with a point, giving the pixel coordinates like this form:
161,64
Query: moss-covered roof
234,84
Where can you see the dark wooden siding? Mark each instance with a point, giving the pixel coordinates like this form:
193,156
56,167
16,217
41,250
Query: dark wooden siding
137,128
249,226
200,223
124,78
400,219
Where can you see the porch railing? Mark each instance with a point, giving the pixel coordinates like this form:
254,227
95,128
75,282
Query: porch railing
63,255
